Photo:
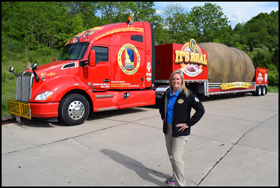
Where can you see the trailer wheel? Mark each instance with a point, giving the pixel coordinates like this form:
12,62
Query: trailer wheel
73,109
259,90
263,90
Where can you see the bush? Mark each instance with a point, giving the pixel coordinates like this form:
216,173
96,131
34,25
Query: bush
273,75
13,54
272,89
4,57
4,75
8,91
24,60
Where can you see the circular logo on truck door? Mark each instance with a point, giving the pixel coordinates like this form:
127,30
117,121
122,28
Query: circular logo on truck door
129,59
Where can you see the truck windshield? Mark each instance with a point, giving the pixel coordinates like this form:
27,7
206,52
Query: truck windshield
74,51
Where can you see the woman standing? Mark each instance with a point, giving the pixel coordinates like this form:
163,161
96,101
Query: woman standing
175,110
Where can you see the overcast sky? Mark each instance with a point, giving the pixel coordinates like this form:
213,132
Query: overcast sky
237,12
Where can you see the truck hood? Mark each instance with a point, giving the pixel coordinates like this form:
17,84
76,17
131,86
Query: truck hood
56,65
56,68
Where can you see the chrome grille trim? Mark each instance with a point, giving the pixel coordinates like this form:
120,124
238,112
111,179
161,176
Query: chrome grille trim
18,88
24,86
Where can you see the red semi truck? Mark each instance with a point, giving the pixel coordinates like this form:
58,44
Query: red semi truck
112,67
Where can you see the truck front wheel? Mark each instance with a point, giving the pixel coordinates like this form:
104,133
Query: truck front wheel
73,109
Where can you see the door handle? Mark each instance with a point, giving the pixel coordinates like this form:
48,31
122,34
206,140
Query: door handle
106,80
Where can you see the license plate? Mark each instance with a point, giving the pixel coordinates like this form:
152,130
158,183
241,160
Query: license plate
19,108
18,119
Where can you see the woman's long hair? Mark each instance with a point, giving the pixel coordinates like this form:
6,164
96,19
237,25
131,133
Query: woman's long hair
183,86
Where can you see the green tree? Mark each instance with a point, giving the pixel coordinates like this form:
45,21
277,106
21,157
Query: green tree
251,46
160,33
209,22
109,10
183,30
89,11
118,12
276,57
171,15
77,24
261,30
240,46
143,11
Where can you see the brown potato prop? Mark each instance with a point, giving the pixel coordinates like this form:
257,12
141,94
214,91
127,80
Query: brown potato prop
227,64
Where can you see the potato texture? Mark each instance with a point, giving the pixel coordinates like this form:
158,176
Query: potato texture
228,64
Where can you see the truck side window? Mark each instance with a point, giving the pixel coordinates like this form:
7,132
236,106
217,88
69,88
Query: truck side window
101,53
138,38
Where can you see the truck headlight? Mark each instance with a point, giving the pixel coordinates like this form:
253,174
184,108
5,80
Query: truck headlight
44,96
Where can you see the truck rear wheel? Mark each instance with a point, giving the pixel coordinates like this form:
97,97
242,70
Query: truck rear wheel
73,109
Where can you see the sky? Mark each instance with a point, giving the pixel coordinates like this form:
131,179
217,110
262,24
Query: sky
237,11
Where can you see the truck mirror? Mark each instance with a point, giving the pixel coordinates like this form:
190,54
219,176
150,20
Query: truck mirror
91,58
11,69
34,66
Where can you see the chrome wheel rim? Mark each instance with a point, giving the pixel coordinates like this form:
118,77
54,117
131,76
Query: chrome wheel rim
76,110
260,91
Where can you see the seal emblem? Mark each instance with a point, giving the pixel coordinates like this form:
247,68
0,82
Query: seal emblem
129,51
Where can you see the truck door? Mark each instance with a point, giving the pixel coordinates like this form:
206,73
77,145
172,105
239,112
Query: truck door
98,77
128,62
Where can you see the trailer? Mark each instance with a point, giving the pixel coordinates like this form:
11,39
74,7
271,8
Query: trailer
194,64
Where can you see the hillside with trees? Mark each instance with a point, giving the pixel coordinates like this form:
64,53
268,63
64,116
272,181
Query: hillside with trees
34,32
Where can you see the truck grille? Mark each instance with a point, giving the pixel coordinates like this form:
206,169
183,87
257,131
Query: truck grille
24,86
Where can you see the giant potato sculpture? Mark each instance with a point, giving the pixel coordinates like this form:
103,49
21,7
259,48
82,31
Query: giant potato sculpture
227,64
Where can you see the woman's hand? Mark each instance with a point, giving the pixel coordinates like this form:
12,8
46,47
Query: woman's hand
183,126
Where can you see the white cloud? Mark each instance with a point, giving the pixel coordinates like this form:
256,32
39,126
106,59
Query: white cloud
237,16
239,12
159,11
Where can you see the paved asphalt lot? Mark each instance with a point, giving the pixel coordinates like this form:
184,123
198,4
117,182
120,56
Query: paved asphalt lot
234,144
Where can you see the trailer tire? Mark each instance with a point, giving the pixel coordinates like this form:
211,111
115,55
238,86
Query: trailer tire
73,109
259,90
264,90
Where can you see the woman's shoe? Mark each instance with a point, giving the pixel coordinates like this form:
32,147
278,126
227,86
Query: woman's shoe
170,180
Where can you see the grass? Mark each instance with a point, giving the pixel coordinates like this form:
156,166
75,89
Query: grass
13,55
272,89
